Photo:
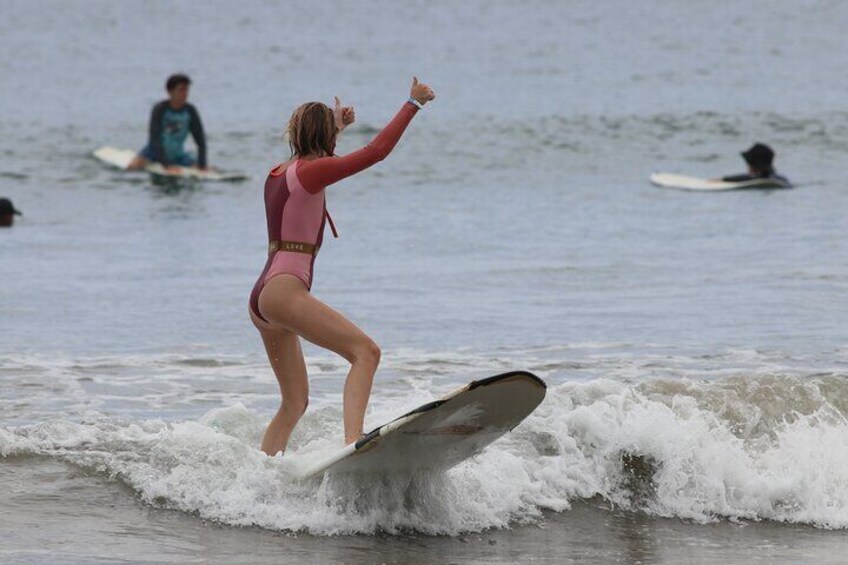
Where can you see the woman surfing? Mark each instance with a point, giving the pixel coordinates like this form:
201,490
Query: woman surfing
281,305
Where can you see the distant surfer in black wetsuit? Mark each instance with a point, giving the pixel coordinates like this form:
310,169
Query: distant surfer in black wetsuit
760,160
170,123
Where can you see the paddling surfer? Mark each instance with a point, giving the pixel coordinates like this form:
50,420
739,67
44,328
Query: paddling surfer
281,305
760,160
170,123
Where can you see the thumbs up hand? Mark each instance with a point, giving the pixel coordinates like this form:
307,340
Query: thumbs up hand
343,115
421,92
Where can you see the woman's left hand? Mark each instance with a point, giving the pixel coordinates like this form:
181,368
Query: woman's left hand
344,115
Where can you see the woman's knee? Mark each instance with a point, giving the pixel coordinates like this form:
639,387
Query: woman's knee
302,405
295,405
367,351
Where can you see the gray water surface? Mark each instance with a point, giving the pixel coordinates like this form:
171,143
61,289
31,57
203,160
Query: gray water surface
513,227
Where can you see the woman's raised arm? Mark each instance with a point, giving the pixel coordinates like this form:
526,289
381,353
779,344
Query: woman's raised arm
319,173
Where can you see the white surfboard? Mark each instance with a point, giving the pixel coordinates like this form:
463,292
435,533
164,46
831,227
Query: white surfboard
683,182
441,434
121,159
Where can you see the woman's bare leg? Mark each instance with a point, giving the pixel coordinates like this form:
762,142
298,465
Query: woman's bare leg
286,357
286,301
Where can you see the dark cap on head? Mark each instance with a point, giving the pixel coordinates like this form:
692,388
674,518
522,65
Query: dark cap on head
759,156
176,80
6,207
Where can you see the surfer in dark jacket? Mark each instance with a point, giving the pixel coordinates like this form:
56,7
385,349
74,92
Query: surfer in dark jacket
170,123
760,159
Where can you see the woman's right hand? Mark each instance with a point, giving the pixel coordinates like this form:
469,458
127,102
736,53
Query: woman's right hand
343,116
421,92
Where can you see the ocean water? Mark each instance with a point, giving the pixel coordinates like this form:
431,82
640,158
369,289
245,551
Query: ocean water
695,345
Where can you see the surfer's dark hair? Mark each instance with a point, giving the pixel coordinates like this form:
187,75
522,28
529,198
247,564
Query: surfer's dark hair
312,130
176,80
760,156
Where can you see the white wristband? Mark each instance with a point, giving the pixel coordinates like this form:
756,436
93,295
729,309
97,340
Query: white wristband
415,103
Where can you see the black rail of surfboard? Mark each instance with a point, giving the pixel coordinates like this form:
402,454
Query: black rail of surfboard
436,403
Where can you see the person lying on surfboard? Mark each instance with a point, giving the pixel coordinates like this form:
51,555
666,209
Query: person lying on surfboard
170,123
760,159
281,305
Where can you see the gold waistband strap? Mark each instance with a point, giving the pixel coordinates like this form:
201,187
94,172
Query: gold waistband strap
294,246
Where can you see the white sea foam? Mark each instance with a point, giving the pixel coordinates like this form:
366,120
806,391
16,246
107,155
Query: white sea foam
773,448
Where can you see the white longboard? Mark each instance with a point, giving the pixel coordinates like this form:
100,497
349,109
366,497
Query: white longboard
683,182
441,434
121,159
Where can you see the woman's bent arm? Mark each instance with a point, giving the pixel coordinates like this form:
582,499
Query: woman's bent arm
322,172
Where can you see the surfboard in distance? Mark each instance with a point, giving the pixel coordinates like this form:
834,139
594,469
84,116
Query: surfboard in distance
121,158
443,433
683,182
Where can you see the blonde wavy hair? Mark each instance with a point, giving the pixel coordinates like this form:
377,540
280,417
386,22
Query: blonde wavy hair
312,130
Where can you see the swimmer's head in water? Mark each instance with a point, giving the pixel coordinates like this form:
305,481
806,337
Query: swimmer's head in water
312,130
759,157
7,213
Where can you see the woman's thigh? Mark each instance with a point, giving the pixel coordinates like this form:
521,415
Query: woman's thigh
286,302
286,358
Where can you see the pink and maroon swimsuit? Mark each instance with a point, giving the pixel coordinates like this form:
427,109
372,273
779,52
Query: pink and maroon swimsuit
295,207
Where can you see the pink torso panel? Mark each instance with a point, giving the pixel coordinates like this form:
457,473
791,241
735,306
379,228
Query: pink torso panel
295,208
300,218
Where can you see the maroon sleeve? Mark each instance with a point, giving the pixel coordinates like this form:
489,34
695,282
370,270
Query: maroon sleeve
322,172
